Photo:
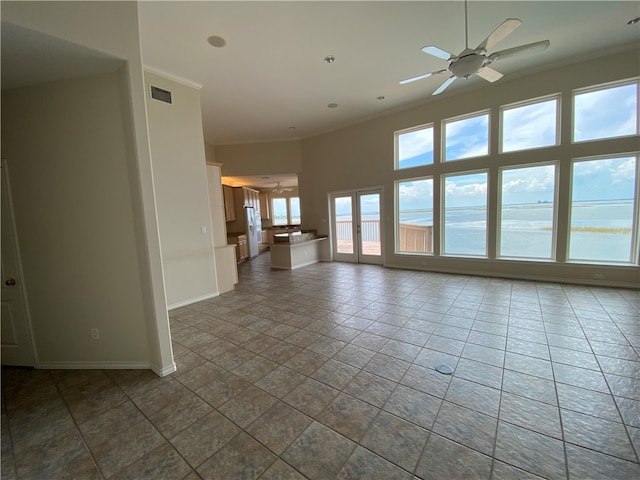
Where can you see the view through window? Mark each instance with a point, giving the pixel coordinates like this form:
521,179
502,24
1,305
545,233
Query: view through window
601,204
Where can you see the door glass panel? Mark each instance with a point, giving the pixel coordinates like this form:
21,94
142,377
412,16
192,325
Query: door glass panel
344,225
370,224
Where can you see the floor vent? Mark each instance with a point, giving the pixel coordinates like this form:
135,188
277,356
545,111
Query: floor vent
160,94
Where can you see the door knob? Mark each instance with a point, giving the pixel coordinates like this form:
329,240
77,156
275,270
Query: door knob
10,282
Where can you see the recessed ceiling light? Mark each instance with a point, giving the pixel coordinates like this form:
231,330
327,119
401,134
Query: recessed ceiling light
332,105
329,59
292,128
633,21
216,41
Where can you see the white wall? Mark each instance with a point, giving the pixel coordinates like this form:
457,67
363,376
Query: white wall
362,156
71,190
112,28
259,158
178,156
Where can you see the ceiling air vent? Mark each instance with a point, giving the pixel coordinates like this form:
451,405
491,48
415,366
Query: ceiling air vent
158,93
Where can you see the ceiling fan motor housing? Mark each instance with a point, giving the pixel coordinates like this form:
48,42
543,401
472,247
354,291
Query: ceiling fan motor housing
467,65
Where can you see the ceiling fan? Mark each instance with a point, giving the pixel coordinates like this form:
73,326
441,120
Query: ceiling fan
476,61
280,189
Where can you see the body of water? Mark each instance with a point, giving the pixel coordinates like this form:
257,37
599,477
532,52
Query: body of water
600,230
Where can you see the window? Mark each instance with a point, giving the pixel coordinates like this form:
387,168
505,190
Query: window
467,137
285,211
603,205
530,125
465,214
414,147
415,214
527,196
294,205
605,112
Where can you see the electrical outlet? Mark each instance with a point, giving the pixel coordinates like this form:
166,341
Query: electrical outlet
95,334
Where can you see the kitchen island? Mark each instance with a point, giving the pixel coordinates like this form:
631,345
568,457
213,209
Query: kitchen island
298,249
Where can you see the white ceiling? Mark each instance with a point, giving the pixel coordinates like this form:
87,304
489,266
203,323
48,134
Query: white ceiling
271,75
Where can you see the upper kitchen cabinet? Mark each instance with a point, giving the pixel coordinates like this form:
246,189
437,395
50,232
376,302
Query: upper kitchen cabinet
229,203
264,206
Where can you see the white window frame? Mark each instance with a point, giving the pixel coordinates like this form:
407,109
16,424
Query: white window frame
525,103
288,207
396,145
605,86
443,211
634,251
554,226
443,135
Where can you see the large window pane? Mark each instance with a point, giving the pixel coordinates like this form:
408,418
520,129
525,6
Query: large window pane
530,126
279,211
527,212
294,202
465,214
602,210
415,148
606,113
415,214
467,137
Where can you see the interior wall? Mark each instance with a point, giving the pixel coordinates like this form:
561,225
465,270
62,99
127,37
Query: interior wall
179,165
362,156
92,24
259,158
66,152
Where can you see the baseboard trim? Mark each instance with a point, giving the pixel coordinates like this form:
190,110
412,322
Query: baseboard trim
106,365
184,303
163,372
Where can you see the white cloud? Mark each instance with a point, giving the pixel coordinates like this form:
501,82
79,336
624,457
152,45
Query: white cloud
412,144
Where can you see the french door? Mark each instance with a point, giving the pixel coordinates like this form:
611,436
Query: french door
356,230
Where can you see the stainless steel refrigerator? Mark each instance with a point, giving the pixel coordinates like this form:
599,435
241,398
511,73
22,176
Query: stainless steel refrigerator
254,230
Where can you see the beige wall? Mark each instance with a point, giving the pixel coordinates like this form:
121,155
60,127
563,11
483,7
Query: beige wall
92,24
66,152
362,156
178,157
259,158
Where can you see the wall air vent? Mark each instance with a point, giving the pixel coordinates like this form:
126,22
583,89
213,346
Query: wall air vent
160,94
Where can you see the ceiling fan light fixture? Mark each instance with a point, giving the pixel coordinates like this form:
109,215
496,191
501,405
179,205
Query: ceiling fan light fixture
633,21
329,59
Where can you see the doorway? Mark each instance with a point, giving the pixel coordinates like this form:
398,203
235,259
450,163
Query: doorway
17,346
356,230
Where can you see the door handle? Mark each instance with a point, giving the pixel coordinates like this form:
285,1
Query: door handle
10,282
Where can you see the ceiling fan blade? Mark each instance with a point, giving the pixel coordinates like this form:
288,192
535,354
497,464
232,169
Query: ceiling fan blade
500,33
413,79
437,52
521,50
420,77
446,83
489,74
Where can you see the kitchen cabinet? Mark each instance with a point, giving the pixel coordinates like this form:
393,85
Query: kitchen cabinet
242,249
263,201
229,203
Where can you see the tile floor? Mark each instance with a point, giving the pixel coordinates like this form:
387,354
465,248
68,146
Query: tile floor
328,372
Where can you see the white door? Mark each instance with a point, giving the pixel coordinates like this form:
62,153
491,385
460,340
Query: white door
356,226
15,334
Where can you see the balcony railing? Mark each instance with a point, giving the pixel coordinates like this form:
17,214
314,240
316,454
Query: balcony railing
412,238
